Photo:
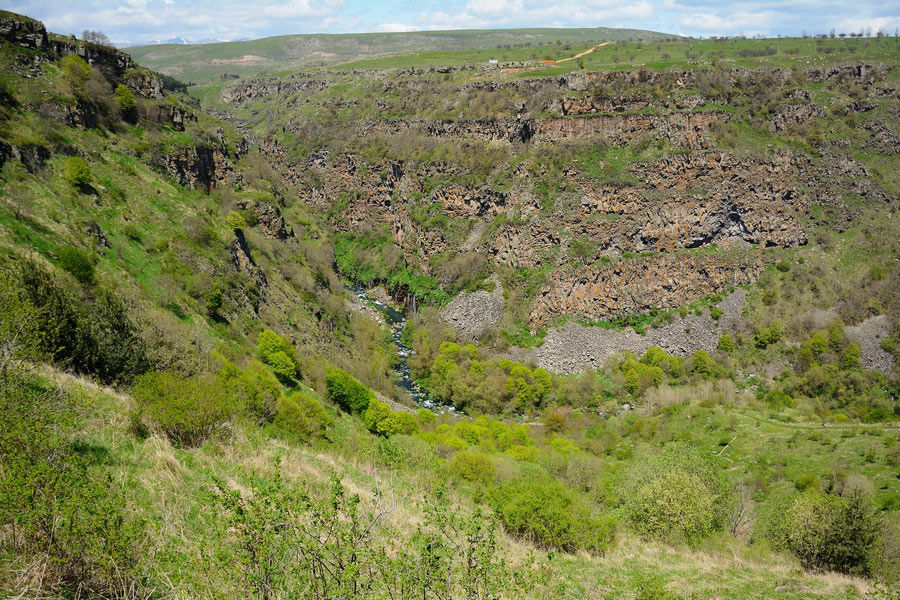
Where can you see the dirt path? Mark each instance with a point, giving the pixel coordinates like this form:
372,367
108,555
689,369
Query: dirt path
588,51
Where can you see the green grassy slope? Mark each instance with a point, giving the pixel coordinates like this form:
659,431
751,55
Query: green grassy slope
207,62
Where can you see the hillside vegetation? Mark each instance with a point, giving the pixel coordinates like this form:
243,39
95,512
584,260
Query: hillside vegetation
205,63
661,301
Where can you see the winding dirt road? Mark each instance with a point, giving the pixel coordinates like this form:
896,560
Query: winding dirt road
588,51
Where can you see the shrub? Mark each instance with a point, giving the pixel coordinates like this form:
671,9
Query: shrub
380,419
640,376
348,393
850,356
702,363
91,333
554,419
426,417
679,493
766,336
75,67
77,172
214,302
473,466
548,514
76,263
278,353
726,344
826,531
521,453
125,100
186,410
302,416
235,221
415,452
254,389
61,512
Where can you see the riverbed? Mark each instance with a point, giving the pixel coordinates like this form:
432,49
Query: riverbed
396,321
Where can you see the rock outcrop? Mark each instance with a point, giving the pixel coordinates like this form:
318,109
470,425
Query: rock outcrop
639,285
571,348
24,32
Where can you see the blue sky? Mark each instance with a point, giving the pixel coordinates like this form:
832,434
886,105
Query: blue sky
137,21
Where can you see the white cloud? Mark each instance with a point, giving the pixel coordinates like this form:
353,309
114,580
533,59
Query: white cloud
142,20
396,27
857,24
495,7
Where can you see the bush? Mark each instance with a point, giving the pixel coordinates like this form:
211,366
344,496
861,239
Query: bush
548,514
302,416
726,344
640,376
380,419
278,353
426,417
766,336
60,511
214,302
474,466
254,389
235,221
678,494
348,393
702,363
91,333
125,100
76,263
825,531
850,356
186,410
75,67
77,172
521,453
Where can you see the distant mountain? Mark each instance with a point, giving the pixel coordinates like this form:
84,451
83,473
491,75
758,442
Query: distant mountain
179,41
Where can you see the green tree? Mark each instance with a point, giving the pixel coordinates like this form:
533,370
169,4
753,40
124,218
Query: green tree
277,352
850,356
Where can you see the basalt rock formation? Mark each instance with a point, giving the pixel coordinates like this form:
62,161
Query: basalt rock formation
687,215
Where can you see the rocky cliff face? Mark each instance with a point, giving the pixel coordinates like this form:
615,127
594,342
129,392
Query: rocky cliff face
636,286
24,32
688,219
200,167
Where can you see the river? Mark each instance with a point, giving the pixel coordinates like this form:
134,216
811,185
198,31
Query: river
396,320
